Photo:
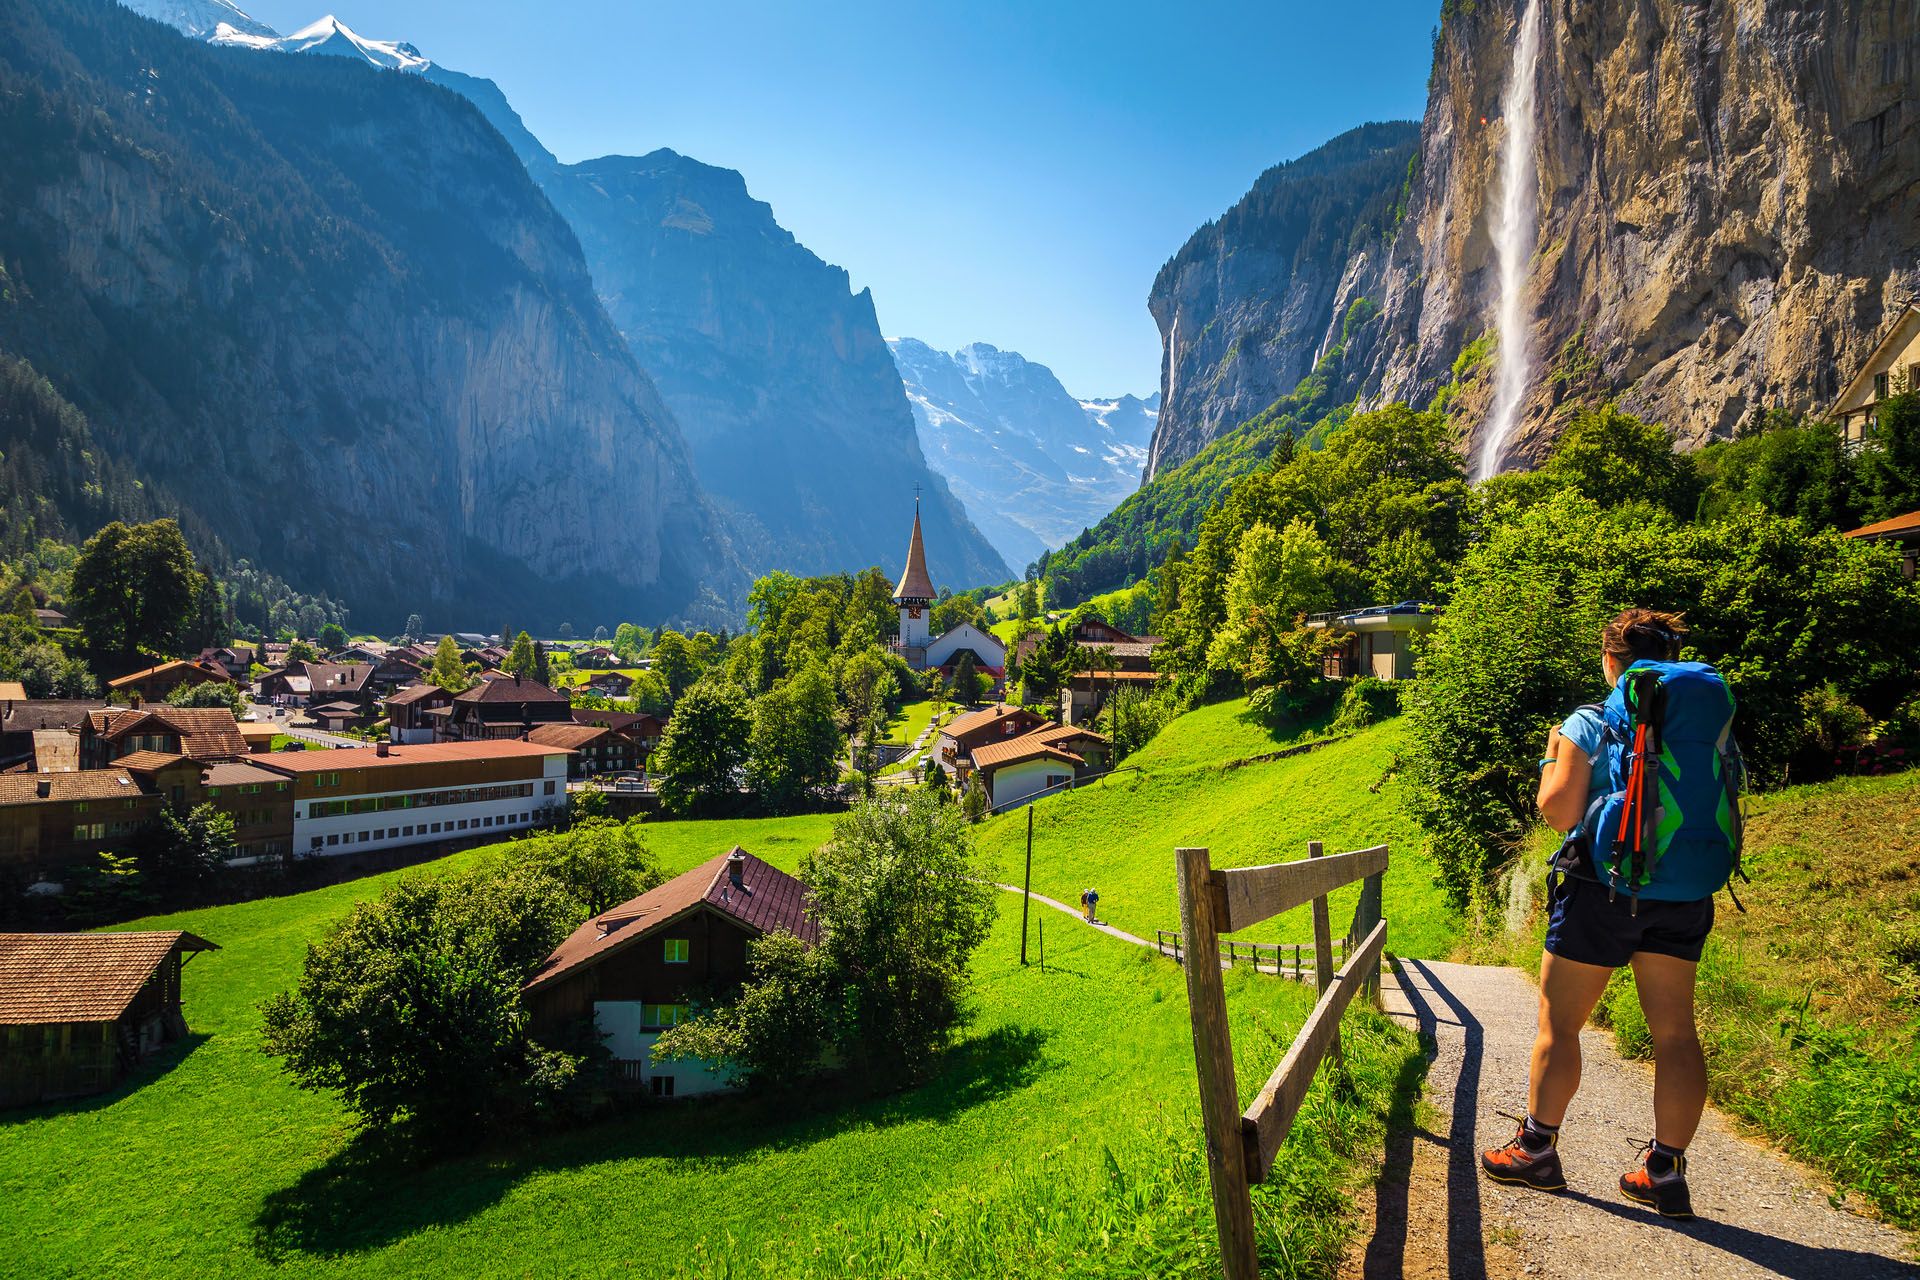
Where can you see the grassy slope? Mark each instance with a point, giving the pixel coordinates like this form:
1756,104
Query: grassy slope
1048,1145
1119,835
1809,1002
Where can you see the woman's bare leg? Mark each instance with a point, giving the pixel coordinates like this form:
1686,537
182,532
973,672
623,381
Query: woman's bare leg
1679,1067
1568,992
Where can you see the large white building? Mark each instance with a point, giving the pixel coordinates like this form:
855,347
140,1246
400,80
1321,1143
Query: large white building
924,651
356,800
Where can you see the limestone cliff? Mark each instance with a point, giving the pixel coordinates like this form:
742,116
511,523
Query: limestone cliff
1249,302
1728,197
327,307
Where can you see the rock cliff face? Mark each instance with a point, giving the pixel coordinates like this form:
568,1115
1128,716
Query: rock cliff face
1729,204
775,369
1248,304
1033,465
328,307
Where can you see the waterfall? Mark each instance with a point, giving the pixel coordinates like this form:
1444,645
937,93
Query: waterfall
1513,229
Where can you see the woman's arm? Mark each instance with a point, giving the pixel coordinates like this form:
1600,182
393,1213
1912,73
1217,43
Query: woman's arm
1563,783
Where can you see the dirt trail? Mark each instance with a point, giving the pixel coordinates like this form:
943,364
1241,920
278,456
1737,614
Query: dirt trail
1435,1216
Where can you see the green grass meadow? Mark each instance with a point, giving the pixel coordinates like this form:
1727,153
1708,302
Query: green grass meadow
1119,835
1050,1143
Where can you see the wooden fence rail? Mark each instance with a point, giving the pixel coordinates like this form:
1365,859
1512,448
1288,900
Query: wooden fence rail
1286,959
1241,1146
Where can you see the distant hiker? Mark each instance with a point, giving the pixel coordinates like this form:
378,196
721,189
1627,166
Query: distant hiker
1090,900
1647,789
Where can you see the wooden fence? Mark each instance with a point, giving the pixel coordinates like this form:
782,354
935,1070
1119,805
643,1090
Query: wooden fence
1286,959
1241,1146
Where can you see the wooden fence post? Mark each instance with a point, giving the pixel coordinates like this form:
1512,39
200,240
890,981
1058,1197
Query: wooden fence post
1323,948
1213,1059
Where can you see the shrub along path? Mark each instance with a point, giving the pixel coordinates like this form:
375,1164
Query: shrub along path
1435,1215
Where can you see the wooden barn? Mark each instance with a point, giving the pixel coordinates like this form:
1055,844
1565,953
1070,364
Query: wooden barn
78,1009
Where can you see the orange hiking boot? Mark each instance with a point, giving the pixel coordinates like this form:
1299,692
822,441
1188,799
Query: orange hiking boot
1515,1163
1665,1193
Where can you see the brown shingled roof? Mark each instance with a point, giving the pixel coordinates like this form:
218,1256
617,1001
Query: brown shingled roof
960,726
179,666
412,694
570,736
80,977
85,784
206,733
1908,523
915,584
1027,746
148,761
508,689
769,900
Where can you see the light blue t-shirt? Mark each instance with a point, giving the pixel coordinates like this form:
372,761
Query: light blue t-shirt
1584,729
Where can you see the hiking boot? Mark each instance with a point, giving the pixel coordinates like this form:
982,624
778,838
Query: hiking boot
1516,1164
1666,1193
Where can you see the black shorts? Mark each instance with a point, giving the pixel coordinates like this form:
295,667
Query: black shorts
1585,927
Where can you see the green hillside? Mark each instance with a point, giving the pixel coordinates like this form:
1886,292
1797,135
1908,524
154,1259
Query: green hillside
1119,835
1046,1145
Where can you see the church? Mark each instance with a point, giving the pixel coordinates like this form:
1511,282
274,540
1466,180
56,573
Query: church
924,651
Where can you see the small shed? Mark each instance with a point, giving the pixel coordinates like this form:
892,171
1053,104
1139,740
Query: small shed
78,1009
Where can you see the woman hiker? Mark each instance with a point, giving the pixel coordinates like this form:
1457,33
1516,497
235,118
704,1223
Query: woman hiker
1595,927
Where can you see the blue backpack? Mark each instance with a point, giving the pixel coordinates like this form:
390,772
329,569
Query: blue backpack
1669,829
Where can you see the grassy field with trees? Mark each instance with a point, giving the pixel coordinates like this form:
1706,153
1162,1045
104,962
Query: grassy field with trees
1043,1144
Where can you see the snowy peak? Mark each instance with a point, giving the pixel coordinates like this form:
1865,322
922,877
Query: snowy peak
1034,464
332,37
202,19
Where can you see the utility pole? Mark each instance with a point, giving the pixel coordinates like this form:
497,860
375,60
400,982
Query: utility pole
1026,894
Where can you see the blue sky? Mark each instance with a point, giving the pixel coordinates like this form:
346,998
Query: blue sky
1012,173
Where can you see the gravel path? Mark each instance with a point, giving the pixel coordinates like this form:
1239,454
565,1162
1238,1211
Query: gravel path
1436,1216
1077,914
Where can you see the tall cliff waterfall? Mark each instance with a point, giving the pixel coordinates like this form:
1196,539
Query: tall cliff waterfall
1513,229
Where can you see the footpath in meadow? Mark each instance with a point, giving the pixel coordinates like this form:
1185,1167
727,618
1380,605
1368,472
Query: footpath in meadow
1759,1214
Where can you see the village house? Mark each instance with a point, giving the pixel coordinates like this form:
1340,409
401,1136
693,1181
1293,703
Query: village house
960,736
202,733
1893,368
507,707
22,721
355,800
1111,659
595,655
644,730
318,684
336,717
52,822
1014,770
395,671
259,801
1376,642
597,749
914,597
1900,532
77,1010
50,619
637,969
153,684
409,717
236,662
610,684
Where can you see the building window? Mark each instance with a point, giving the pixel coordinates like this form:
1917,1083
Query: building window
662,1086
549,788
1879,386
675,950
333,839
658,1017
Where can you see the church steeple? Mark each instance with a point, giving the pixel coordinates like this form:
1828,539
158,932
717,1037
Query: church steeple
915,588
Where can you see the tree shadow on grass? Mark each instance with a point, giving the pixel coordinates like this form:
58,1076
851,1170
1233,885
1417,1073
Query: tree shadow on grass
380,1188
144,1073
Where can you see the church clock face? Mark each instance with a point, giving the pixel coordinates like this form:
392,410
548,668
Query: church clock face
913,613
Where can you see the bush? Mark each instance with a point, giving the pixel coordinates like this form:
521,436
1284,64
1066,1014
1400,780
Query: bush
1367,700
598,862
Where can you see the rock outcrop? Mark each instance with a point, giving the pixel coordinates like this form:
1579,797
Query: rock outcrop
1250,301
327,306
1034,465
1729,206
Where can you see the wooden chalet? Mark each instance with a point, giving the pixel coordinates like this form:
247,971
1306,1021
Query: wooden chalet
78,1009
636,968
963,734
408,718
203,733
1013,770
153,684
597,749
506,707
1899,532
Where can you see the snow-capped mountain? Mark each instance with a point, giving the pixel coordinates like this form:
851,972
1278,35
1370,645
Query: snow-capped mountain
203,19
330,36
1034,464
